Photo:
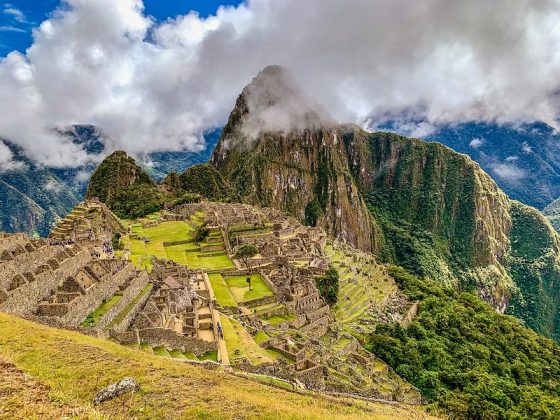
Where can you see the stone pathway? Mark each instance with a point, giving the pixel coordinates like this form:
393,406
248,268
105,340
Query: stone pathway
222,349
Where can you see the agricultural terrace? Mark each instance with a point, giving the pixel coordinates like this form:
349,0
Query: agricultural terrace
173,240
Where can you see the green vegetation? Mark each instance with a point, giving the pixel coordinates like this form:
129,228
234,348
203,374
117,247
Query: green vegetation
93,318
535,271
313,212
328,285
136,201
468,360
245,252
116,241
126,189
200,233
239,288
205,180
221,291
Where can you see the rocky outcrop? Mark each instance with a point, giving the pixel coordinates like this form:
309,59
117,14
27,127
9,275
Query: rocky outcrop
113,391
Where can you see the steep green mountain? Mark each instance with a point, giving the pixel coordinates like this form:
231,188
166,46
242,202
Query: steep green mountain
302,170
552,213
32,197
126,189
524,159
468,360
202,179
416,204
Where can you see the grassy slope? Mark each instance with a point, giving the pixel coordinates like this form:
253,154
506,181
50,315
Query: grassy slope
66,369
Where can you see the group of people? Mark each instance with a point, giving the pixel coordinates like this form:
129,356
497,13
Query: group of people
108,247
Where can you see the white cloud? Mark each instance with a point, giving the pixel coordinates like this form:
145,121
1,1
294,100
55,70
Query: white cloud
52,185
158,86
476,143
6,160
8,28
508,172
17,14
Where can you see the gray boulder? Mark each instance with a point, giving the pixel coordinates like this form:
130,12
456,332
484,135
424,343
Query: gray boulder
115,390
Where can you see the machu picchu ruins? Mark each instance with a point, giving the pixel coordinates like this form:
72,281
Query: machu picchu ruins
164,292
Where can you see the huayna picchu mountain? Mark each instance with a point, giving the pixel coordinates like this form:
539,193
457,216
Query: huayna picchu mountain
126,189
414,203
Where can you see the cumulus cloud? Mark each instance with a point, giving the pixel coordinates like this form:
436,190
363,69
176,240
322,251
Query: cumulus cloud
153,86
509,172
6,160
476,143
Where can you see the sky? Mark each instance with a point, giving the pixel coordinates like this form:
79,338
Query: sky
20,16
156,74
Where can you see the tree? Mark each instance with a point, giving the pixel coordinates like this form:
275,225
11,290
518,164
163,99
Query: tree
328,285
116,241
200,233
245,252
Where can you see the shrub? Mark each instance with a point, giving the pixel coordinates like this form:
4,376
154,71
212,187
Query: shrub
328,285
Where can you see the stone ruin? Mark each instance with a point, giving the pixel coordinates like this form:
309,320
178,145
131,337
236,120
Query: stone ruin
179,312
90,220
62,284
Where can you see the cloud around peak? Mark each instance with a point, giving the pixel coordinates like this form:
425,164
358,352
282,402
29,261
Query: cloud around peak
157,86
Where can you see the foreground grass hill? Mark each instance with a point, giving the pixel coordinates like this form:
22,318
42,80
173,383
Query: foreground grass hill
51,373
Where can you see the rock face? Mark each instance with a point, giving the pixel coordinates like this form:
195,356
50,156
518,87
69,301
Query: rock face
417,204
301,169
116,390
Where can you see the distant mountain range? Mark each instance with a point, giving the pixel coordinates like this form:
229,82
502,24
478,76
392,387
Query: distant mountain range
33,197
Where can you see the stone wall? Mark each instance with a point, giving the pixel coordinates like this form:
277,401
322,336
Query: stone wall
96,294
137,284
24,300
171,340
312,377
129,318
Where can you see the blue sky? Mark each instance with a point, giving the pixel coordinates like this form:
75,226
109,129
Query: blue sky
18,17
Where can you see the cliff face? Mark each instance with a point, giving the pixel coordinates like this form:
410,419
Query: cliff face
417,204
302,170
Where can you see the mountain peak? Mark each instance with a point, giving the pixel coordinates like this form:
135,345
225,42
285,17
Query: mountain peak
274,102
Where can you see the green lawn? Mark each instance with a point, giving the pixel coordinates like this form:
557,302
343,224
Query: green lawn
240,288
93,318
278,319
161,351
221,291
218,262
210,355
169,231
237,338
176,253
